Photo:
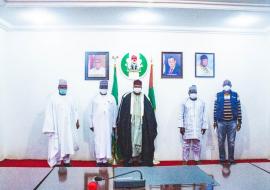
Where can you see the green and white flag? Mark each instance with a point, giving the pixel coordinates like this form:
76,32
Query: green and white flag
115,85
115,149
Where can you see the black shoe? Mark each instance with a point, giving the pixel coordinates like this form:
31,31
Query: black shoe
99,164
185,162
108,165
104,165
231,162
147,163
127,164
197,162
67,165
222,162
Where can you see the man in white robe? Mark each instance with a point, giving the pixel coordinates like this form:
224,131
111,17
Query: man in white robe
103,113
61,118
193,124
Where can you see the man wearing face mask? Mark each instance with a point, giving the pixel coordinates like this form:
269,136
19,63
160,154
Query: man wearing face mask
193,124
103,112
227,120
136,127
61,117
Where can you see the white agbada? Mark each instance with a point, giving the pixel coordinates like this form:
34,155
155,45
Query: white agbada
103,113
60,125
193,118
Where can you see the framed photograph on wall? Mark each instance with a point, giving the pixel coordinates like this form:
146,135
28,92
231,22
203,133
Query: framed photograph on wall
205,65
171,65
96,65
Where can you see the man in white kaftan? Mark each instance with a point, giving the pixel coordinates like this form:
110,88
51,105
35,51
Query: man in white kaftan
61,118
193,124
103,113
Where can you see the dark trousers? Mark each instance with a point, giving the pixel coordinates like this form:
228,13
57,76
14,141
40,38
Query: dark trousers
226,129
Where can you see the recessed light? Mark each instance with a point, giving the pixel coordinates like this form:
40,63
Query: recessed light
142,17
38,16
243,20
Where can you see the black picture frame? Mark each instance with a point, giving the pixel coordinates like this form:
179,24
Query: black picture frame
204,65
96,65
172,65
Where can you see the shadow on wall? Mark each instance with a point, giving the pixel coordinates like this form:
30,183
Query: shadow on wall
268,135
242,141
88,135
208,142
172,132
37,147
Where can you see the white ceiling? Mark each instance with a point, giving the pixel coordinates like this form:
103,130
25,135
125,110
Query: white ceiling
172,15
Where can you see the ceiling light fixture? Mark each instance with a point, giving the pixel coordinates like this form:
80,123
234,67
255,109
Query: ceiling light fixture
143,17
243,20
38,16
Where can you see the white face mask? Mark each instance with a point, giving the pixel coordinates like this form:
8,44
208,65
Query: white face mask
226,88
103,91
137,90
193,96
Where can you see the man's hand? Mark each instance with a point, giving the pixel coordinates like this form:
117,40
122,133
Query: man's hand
77,124
215,125
92,129
238,127
182,130
203,131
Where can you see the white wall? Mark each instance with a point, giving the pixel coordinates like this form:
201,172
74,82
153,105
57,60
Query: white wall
2,91
268,105
38,59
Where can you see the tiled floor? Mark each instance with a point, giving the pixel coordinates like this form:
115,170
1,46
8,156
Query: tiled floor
242,176
265,166
21,178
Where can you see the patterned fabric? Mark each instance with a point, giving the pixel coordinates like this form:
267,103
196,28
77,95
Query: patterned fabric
195,146
227,114
62,82
192,89
136,127
227,82
193,117
103,84
227,109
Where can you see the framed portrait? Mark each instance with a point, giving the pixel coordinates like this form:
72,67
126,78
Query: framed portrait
205,65
96,65
171,65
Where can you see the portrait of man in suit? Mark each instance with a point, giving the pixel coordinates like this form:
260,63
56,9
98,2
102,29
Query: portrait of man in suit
171,65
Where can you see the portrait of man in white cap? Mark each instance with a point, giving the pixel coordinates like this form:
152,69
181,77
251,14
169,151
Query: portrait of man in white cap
205,66
97,66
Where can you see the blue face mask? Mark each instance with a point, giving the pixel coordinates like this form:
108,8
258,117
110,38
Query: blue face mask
62,91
